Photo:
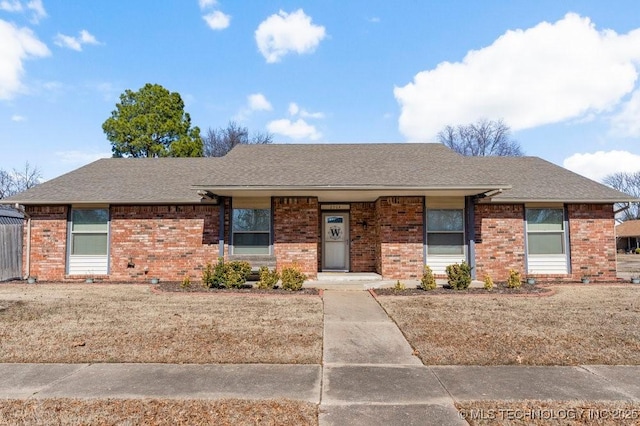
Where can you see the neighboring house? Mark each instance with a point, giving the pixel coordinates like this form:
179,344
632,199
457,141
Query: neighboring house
628,235
11,222
385,208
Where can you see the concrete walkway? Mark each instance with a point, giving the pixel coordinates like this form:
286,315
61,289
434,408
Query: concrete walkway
369,377
370,374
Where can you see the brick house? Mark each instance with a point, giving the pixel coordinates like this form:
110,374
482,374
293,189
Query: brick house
385,208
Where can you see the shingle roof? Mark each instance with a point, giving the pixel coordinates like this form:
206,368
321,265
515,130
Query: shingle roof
353,166
534,179
629,228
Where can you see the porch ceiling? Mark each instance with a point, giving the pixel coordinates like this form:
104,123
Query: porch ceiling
348,194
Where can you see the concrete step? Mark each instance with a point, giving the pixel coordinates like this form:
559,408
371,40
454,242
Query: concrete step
348,276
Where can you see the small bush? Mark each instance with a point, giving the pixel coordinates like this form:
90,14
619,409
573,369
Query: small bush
459,276
428,281
514,280
268,278
292,278
488,282
230,274
186,282
637,250
399,286
207,275
236,273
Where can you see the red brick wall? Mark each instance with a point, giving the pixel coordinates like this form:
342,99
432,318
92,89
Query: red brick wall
168,242
593,243
295,233
363,240
400,222
48,242
499,240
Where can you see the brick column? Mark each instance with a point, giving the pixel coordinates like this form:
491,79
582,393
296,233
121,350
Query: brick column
500,242
399,226
295,233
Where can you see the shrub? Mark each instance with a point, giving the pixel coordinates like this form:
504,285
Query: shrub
207,275
459,276
186,282
268,278
236,273
399,286
230,274
428,281
488,282
292,278
514,280
637,250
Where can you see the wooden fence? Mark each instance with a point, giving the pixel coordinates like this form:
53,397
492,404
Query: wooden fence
10,251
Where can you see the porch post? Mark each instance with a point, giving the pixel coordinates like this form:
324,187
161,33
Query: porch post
470,232
221,228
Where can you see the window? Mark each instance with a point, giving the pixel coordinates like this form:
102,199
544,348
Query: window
89,232
251,231
545,231
445,232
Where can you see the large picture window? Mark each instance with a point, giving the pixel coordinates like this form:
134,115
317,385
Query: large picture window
251,231
445,232
89,231
545,231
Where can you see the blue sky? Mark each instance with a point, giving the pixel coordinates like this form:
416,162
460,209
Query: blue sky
562,74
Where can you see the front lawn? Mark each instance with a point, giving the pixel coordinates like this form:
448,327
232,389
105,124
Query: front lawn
582,324
79,323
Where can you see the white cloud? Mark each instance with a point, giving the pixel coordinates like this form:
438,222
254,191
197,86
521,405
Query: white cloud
206,4
258,102
11,6
217,20
80,157
545,74
255,102
599,164
627,121
38,10
284,33
18,118
294,109
75,43
18,45
17,6
296,130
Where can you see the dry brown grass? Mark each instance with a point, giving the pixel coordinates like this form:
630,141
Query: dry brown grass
588,324
549,413
126,323
156,412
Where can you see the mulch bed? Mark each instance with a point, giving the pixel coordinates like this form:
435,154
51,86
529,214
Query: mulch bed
526,289
177,287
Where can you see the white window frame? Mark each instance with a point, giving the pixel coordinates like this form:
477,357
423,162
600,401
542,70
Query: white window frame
547,263
88,264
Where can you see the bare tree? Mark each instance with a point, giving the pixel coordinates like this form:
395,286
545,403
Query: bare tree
19,180
483,138
629,183
218,142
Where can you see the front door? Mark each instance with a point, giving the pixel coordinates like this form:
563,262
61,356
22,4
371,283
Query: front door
335,241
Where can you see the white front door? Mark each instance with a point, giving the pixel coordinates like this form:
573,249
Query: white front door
335,241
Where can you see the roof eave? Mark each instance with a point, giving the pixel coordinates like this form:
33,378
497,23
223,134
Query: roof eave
498,200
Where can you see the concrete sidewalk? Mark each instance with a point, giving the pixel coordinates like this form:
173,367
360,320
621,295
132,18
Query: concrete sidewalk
369,376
